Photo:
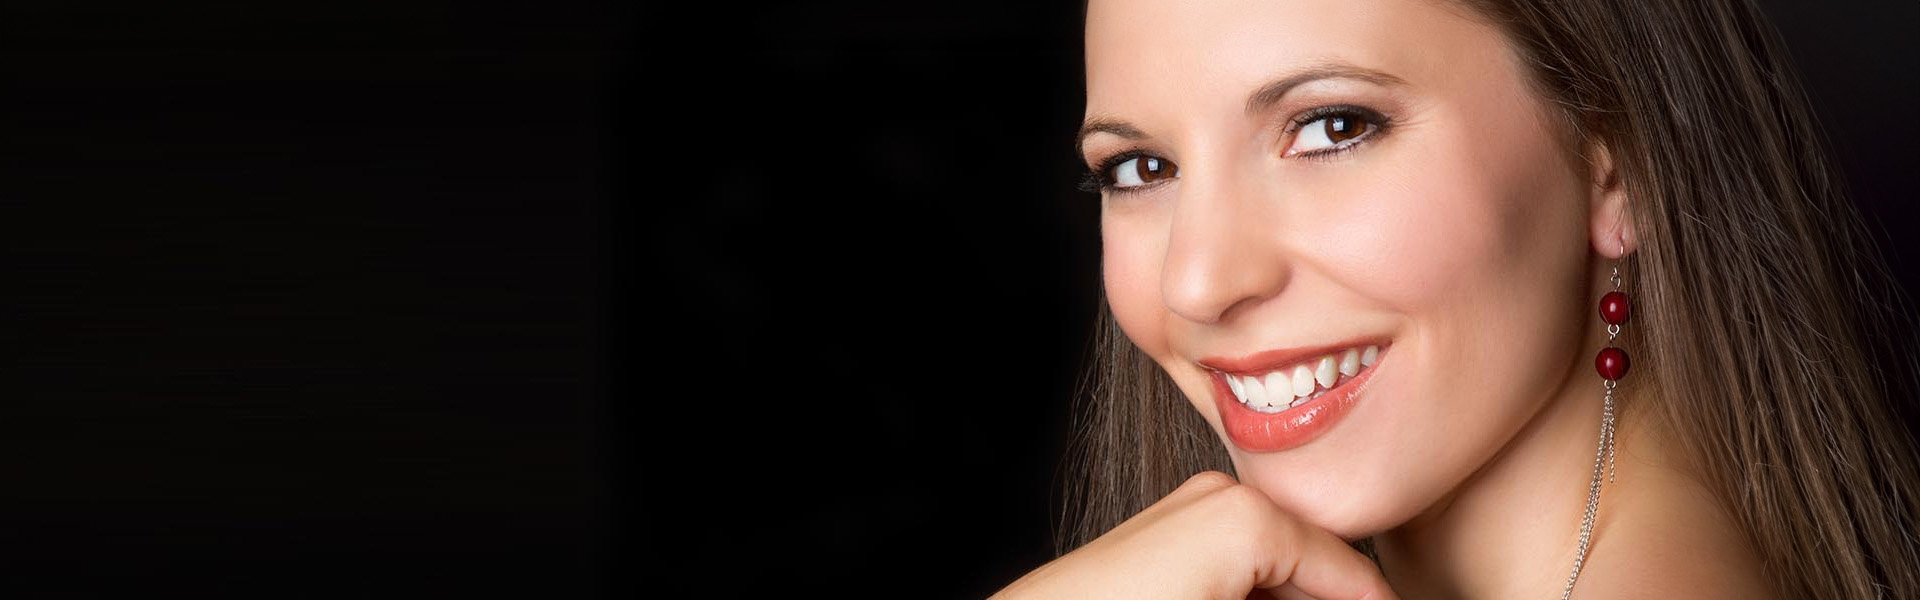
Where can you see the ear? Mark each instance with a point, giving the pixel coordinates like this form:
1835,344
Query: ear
1610,221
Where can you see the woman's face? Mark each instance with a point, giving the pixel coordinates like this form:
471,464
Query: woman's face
1293,181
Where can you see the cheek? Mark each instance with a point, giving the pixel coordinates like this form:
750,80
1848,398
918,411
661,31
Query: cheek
1446,220
1480,255
1415,239
1482,245
1131,254
1490,267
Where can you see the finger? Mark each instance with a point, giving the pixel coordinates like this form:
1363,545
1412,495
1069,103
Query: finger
1285,592
1195,488
1310,562
1203,483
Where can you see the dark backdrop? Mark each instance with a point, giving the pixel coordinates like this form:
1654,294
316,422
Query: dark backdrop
574,299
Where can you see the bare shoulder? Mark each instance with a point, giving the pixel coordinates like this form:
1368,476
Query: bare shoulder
1669,539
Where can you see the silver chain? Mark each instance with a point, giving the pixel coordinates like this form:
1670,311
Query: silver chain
1602,456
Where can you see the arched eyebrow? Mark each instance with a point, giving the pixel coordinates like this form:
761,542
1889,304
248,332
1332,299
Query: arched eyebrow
1104,125
1258,101
1274,90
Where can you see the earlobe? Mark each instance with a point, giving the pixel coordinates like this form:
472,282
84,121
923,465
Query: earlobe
1610,220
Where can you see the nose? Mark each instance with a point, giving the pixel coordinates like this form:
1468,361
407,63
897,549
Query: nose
1223,249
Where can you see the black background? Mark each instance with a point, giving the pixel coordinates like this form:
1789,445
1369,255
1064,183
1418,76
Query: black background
574,299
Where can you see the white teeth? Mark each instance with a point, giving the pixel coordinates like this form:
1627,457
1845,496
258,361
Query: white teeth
1324,372
1279,387
1256,394
1302,381
1282,389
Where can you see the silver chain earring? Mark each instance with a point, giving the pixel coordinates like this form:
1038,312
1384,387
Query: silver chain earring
1612,365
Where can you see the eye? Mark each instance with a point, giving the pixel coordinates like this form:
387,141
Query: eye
1333,129
1139,170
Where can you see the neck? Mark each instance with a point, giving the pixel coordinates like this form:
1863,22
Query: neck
1512,529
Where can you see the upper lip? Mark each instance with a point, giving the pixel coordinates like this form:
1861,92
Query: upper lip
1269,360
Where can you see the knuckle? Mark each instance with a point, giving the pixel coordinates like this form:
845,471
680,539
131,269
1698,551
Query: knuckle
1278,537
1266,531
1244,501
1209,481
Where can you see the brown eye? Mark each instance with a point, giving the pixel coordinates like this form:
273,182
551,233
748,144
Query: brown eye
1340,129
1142,170
1151,169
1335,129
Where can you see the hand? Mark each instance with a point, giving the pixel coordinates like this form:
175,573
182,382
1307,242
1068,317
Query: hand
1211,538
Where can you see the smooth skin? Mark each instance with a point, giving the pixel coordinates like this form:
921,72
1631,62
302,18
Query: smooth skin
1467,225
1211,538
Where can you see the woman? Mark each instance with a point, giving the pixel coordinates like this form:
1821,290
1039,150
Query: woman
1356,251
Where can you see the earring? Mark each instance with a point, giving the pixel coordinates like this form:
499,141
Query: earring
1612,365
1612,361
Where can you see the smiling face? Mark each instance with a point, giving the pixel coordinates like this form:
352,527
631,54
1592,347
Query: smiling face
1291,182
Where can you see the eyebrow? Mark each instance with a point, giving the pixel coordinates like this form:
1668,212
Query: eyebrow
1103,125
1275,90
1259,100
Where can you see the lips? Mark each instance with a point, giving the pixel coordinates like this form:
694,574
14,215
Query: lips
1278,400
1288,386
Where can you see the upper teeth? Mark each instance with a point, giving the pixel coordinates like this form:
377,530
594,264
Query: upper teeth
1294,385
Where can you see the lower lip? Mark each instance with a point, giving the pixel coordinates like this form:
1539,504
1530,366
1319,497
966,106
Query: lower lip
1291,428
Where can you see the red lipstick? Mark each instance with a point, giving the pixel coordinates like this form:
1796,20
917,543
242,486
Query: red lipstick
1255,431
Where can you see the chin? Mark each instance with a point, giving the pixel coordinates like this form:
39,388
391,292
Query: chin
1352,510
1340,476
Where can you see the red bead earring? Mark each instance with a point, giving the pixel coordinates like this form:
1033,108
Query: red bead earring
1612,362
1612,365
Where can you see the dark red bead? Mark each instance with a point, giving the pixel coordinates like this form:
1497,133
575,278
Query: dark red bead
1613,307
1612,363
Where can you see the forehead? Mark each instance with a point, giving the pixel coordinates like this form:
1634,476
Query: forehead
1145,53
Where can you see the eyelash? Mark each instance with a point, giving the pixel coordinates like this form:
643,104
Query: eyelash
1099,180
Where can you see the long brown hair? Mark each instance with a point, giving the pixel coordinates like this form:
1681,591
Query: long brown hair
1777,339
